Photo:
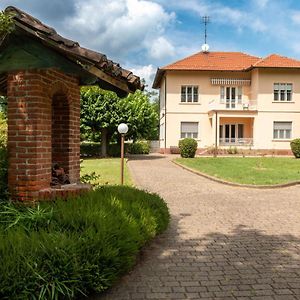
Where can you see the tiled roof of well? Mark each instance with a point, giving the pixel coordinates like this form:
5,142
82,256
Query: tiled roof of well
89,59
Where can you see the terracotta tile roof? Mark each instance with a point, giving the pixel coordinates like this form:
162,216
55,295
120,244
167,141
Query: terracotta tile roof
214,61
91,61
277,61
225,61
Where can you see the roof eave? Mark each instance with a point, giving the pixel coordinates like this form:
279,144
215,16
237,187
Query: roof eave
158,77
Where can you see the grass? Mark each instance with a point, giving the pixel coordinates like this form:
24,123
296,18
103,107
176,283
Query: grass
247,170
109,170
66,249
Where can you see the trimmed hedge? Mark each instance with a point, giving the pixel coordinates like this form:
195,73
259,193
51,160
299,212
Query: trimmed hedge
295,146
188,147
141,147
70,248
93,149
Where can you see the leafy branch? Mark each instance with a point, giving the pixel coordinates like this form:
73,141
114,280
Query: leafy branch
7,24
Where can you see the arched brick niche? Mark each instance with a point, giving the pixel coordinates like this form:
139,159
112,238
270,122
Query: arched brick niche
43,128
61,131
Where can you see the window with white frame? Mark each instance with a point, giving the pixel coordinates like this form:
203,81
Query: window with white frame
189,94
283,91
189,130
282,130
231,95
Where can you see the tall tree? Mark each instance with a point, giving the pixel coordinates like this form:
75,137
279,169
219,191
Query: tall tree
99,114
140,115
102,111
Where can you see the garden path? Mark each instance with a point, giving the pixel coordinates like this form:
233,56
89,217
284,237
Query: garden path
223,242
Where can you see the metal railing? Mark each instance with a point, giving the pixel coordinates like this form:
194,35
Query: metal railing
222,105
236,141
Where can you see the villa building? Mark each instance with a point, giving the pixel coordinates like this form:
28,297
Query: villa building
230,99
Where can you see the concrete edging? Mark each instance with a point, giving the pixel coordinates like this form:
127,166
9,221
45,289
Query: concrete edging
275,186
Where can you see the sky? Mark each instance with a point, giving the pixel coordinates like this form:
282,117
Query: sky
143,35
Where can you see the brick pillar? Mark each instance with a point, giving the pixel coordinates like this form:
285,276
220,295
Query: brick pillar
28,135
32,95
74,133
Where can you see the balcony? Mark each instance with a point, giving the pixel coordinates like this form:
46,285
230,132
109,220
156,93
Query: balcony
233,105
236,141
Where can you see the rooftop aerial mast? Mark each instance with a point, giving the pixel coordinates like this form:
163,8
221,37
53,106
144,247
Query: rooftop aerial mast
205,21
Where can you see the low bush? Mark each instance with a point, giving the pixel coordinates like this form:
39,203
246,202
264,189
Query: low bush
90,149
232,150
142,147
295,146
93,149
65,249
188,147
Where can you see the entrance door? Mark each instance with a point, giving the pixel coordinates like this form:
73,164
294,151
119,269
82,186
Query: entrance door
231,133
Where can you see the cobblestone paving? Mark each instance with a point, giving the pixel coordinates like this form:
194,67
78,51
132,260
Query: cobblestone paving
223,242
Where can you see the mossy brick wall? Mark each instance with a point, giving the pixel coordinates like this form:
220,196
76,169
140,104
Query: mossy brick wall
43,128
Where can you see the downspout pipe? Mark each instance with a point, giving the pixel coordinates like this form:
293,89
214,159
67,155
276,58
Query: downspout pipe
216,137
165,114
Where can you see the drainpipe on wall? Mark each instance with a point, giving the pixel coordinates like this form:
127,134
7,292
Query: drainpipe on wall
165,114
216,137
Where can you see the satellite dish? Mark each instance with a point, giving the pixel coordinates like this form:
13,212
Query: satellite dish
205,47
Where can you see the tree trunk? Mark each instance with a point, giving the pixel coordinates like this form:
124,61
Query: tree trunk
104,142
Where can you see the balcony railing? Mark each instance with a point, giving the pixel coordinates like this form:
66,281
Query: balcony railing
236,141
222,105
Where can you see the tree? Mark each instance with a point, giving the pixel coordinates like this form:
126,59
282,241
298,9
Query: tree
103,111
140,115
99,114
6,23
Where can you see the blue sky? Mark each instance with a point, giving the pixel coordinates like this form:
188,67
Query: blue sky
145,34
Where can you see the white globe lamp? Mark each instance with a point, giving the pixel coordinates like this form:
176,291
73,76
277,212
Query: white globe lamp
123,128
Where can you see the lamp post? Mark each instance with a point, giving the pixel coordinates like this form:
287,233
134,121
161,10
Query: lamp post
122,129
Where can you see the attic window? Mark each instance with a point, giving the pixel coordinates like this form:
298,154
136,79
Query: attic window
230,81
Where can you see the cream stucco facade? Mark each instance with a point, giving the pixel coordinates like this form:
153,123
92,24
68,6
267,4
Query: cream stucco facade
250,123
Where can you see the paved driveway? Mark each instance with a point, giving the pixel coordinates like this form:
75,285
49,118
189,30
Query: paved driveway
223,242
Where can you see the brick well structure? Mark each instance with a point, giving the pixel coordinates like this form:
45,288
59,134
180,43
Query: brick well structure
43,128
41,74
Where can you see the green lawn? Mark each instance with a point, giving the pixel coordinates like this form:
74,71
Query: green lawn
109,170
247,170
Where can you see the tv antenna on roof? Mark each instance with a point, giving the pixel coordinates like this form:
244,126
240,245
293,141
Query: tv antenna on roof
205,21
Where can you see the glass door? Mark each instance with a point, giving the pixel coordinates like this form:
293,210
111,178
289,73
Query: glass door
230,97
231,133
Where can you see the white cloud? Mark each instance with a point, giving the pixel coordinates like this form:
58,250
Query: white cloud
296,17
261,3
146,72
161,48
117,27
221,13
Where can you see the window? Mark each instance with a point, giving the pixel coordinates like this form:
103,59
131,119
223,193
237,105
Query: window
283,91
189,130
189,94
282,130
231,94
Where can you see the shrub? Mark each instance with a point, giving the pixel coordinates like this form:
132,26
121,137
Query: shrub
232,150
295,146
188,147
93,149
69,248
142,147
90,149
